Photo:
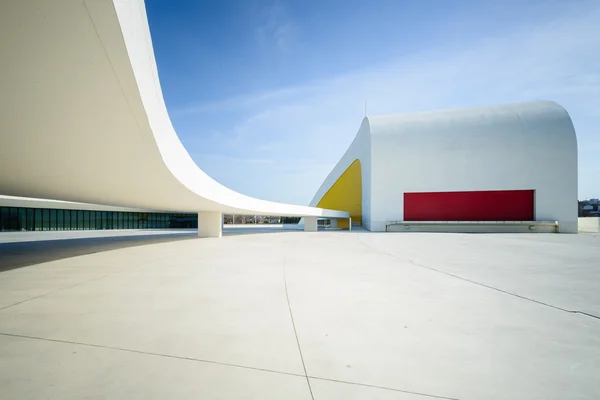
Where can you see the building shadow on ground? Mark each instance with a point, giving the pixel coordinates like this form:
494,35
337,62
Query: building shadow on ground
22,254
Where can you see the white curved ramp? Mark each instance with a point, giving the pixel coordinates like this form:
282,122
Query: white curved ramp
83,118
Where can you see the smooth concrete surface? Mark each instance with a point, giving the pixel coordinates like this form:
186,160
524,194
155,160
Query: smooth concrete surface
210,224
310,224
589,224
366,315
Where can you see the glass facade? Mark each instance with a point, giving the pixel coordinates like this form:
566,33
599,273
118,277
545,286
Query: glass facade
44,219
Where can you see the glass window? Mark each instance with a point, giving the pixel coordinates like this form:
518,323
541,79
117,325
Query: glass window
45,219
79,219
67,225
30,219
104,220
86,219
38,219
115,220
22,219
52,226
11,223
60,216
73,219
4,218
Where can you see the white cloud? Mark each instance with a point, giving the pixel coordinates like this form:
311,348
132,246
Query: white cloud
555,60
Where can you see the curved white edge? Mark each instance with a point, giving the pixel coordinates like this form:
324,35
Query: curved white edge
359,149
85,119
13,201
526,146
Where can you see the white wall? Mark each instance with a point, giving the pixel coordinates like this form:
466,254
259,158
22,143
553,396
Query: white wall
589,224
510,147
527,146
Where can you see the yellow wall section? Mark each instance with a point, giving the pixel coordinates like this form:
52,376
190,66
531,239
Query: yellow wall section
346,194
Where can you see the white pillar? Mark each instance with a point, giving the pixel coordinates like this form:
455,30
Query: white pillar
310,224
209,224
350,224
333,223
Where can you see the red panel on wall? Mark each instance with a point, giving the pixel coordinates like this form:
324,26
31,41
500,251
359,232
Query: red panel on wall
491,205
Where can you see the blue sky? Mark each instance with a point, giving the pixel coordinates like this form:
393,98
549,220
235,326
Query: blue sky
267,95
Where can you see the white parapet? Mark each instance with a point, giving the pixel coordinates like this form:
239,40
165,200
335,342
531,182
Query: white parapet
210,224
310,224
589,224
474,226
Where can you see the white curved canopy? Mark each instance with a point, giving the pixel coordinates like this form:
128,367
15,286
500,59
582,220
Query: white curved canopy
83,119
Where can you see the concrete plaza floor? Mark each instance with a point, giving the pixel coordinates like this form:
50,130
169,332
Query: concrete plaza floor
294,315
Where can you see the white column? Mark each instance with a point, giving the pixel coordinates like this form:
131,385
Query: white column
333,223
310,224
350,224
209,224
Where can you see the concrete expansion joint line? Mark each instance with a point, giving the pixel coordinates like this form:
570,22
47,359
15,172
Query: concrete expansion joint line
479,283
432,396
148,353
287,297
309,377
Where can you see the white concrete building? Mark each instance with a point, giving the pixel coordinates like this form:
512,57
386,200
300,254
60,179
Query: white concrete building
490,167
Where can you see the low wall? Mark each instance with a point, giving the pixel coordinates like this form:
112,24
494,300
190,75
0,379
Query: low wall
589,224
474,226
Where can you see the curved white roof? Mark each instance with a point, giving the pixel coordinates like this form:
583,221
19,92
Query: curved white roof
83,116
502,115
